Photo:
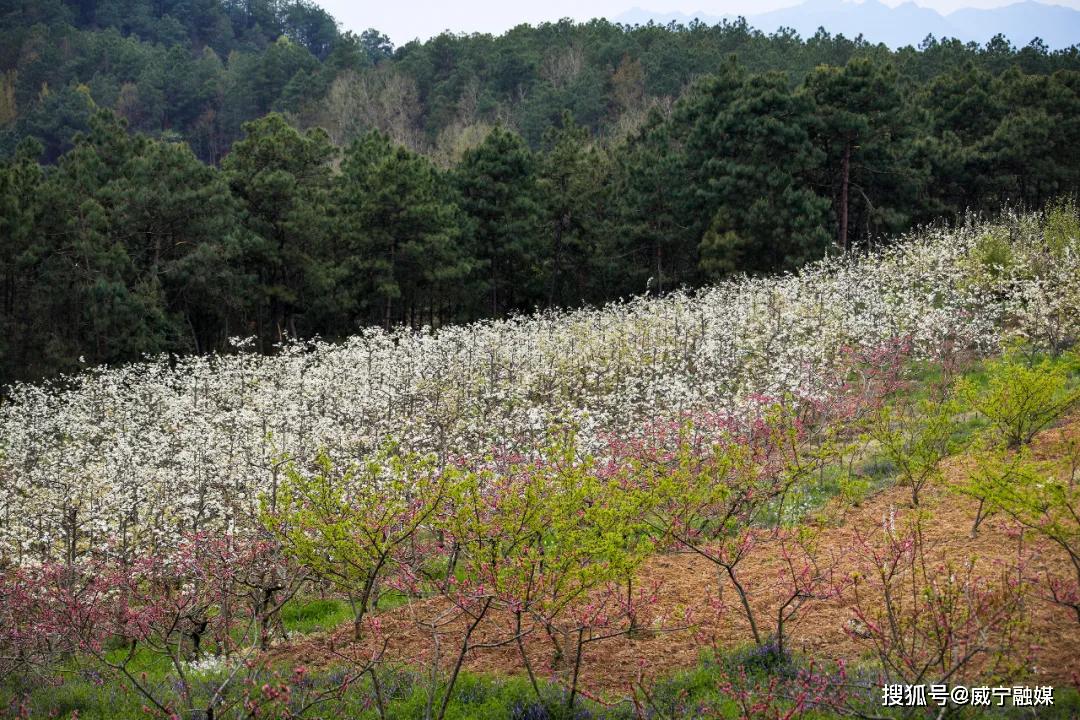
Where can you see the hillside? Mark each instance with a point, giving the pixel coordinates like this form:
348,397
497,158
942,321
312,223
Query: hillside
151,205
116,439
590,371
777,497
681,581
197,75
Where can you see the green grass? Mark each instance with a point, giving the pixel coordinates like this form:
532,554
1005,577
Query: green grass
306,616
871,471
690,694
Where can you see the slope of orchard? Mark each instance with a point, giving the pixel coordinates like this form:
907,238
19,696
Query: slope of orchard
150,451
859,472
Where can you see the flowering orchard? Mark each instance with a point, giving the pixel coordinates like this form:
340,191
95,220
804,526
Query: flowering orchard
506,484
141,455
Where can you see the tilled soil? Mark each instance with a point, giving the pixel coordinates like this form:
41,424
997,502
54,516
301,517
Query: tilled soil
822,629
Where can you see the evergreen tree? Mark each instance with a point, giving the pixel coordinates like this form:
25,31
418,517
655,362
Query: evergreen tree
961,111
179,223
863,135
399,236
573,190
748,141
658,250
85,279
20,218
1033,153
282,179
497,189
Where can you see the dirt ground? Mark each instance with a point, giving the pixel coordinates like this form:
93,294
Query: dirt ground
688,581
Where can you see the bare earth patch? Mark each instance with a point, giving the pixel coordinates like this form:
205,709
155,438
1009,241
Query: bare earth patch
689,581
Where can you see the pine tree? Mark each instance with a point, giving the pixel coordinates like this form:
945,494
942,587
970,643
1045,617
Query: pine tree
20,216
748,142
282,180
573,189
497,190
861,131
399,234
658,240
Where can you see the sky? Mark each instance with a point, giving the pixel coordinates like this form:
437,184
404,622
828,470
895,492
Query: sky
404,20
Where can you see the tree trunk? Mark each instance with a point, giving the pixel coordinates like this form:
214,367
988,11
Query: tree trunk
845,173
659,270
556,265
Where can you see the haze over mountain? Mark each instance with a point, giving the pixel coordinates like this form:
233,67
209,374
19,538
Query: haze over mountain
905,24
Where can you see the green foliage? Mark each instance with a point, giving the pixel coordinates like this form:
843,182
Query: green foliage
747,139
711,495
660,251
995,467
575,197
1062,226
994,253
1035,494
120,206
304,615
399,234
641,160
496,184
349,527
546,532
281,178
864,130
1020,399
914,436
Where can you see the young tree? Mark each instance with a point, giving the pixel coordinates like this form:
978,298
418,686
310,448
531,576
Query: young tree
533,540
28,641
915,436
713,495
808,576
931,618
1035,495
261,579
1021,399
165,604
353,527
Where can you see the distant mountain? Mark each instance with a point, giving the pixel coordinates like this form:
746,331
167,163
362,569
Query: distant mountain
1058,26
639,16
906,24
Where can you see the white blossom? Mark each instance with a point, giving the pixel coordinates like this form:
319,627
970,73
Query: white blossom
140,452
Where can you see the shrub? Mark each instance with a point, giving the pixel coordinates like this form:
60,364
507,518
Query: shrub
1032,494
1020,399
928,616
914,437
1062,226
351,528
993,253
